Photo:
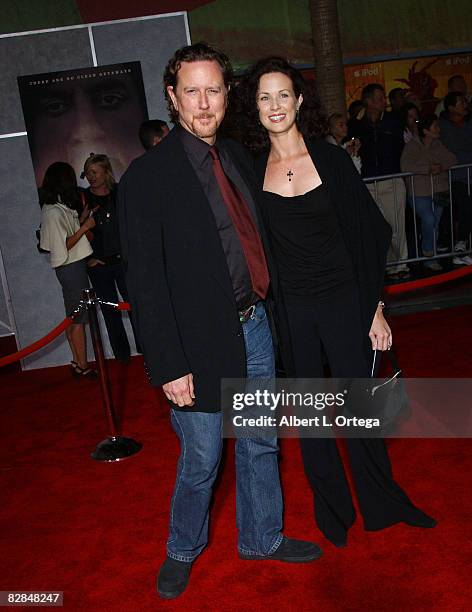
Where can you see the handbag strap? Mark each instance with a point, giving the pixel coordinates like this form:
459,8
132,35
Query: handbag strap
67,218
391,357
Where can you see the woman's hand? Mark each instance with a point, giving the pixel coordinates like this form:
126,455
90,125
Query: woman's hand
88,224
353,146
85,214
380,333
93,262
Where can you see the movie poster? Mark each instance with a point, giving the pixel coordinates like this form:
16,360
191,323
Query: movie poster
73,113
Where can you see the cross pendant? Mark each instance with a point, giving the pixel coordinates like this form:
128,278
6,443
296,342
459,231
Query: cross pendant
289,174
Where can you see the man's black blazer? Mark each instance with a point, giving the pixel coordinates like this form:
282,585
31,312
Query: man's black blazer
178,280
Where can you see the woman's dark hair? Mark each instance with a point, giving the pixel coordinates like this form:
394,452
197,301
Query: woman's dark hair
199,52
354,108
310,122
406,108
60,185
425,123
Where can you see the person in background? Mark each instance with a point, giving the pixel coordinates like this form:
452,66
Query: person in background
429,160
337,126
456,134
65,239
397,101
413,98
105,267
455,83
409,118
152,132
381,138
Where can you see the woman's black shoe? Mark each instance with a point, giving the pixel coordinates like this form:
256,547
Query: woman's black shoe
79,372
422,520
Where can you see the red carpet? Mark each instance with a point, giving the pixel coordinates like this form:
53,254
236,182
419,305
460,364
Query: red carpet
97,531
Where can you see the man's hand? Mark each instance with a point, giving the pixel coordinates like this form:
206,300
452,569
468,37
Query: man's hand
180,391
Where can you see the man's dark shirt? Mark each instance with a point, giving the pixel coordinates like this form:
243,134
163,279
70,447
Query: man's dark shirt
198,153
381,144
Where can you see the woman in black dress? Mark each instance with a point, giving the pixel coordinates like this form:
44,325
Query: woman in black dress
105,267
330,242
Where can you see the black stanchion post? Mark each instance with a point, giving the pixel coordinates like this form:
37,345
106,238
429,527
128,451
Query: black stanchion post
115,447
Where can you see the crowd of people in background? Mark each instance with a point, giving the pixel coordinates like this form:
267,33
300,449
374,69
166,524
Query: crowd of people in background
409,139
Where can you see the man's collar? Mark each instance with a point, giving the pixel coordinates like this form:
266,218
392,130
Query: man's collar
194,146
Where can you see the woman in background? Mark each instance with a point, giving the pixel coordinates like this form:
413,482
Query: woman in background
337,127
105,267
330,242
64,237
410,116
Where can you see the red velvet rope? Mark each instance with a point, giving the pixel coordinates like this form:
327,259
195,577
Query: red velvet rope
4,361
38,344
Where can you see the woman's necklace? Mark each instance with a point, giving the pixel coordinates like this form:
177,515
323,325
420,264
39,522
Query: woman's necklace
290,174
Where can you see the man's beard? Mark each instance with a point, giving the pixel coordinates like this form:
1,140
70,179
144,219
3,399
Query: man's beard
205,131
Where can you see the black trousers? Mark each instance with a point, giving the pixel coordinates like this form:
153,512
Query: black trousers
335,325
105,280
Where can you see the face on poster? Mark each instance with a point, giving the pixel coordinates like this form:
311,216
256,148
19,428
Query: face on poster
73,113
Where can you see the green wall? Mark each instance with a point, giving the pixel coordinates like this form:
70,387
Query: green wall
249,29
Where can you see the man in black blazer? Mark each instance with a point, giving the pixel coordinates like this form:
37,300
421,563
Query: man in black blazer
197,286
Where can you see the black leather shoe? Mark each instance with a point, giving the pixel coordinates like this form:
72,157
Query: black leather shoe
173,578
290,551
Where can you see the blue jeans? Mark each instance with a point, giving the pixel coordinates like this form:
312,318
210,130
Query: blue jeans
430,216
258,495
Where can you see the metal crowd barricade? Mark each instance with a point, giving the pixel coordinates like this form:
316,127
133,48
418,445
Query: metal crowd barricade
409,177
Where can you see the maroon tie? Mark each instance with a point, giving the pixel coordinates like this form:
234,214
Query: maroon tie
245,228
